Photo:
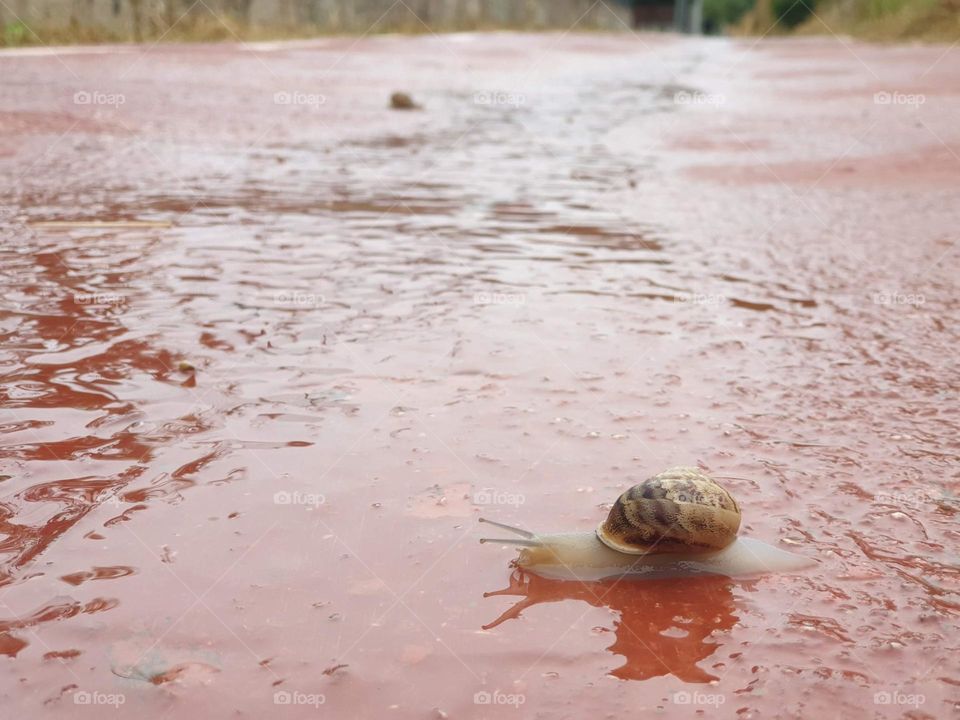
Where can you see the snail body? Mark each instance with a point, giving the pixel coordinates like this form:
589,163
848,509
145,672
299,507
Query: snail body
680,522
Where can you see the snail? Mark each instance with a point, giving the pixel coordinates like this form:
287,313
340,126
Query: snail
680,522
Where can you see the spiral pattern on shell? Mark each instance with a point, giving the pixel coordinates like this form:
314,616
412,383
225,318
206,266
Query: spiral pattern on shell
679,510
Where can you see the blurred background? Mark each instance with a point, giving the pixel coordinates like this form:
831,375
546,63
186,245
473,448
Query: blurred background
70,21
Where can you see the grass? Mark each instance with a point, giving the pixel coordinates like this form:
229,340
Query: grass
877,20
213,31
885,20
209,27
201,29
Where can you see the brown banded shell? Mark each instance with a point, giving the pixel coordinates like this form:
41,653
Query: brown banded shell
679,510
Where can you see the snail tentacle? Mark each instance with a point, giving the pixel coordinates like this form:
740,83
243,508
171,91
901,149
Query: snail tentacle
511,528
513,541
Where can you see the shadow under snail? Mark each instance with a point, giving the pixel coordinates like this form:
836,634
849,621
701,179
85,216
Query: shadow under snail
680,522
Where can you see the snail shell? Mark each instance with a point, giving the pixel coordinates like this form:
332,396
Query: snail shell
679,510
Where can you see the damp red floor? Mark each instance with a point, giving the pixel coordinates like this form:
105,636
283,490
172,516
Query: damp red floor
270,348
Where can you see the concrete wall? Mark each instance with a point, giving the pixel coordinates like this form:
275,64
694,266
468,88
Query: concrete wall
135,19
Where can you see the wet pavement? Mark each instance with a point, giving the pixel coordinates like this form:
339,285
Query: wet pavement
271,348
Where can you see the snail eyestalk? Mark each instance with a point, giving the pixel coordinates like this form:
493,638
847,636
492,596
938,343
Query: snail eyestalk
519,531
511,541
529,539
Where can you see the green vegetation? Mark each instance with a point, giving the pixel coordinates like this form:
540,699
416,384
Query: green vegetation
792,12
55,22
934,20
718,15
14,34
208,28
